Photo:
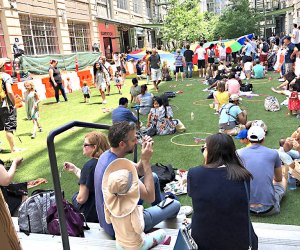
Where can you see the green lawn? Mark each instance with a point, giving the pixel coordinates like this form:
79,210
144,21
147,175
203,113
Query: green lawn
69,145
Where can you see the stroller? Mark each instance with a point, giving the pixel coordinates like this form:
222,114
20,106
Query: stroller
272,57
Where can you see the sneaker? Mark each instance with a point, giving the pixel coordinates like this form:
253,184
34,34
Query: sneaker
33,135
205,90
104,102
40,129
185,210
281,80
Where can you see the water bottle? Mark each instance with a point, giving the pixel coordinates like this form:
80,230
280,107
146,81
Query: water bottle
192,116
292,183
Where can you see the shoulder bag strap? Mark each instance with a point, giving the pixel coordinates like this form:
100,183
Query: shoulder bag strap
249,223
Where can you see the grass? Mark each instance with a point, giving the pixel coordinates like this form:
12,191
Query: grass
69,144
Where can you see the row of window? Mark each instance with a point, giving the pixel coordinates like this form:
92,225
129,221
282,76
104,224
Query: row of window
40,35
137,6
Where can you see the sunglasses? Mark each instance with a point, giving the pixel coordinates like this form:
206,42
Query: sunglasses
203,148
88,145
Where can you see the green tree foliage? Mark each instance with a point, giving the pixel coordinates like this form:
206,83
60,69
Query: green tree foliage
208,26
183,21
237,20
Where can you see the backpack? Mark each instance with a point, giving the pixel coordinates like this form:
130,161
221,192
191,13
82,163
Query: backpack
33,212
2,89
265,47
246,87
261,124
165,173
271,104
212,53
74,220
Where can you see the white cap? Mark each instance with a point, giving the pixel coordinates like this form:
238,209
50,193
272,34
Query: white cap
235,97
256,133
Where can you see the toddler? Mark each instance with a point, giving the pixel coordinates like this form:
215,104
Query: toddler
118,81
294,102
86,92
68,85
153,115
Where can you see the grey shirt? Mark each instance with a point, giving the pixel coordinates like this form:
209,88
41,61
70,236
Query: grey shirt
154,61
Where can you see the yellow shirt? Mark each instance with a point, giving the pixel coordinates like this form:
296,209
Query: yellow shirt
222,98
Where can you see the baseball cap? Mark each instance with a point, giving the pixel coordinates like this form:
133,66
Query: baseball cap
235,97
256,133
242,134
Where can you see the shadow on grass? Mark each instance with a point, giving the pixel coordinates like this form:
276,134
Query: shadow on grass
49,103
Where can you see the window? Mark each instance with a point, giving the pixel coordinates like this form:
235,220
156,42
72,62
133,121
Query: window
80,37
2,43
39,35
148,7
122,4
137,6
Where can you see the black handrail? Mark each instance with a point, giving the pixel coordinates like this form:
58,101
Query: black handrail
55,175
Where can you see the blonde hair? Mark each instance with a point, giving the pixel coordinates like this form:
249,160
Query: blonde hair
31,84
221,86
84,82
100,141
165,63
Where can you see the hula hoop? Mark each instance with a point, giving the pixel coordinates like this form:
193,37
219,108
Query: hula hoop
188,145
201,104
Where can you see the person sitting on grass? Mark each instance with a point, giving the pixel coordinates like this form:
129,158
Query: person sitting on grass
248,65
232,117
121,194
165,123
122,113
232,85
153,115
135,90
221,96
258,70
166,72
145,100
95,143
243,137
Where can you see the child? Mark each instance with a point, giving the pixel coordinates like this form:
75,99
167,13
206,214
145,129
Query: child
139,69
166,72
118,81
221,96
68,85
135,90
165,123
153,115
121,195
248,68
32,100
86,92
294,102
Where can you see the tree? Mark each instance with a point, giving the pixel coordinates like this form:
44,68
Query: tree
183,21
237,20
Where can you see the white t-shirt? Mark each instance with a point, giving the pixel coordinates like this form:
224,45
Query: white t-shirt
222,51
117,60
201,53
296,40
248,66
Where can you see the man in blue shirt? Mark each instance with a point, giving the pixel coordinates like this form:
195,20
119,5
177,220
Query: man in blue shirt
122,113
122,139
247,50
258,70
268,185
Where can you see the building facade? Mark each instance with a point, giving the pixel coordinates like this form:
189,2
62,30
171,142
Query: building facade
214,6
46,27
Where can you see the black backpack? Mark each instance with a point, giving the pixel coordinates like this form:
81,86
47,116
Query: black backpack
165,173
265,47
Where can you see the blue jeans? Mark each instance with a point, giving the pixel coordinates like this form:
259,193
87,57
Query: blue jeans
294,154
283,69
154,215
189,67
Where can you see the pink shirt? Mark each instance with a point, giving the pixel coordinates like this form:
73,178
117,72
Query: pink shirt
233,86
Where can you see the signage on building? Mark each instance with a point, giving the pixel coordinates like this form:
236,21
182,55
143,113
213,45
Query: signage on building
106,33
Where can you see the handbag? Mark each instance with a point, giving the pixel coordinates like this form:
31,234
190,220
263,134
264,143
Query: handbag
184,239
13,194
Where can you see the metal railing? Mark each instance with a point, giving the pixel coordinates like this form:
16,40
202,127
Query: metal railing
55,172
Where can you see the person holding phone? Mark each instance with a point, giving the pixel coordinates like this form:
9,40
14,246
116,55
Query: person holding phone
219,190
122,139
94,144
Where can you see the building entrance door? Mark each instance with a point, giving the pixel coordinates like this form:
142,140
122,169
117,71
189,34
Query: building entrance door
107,47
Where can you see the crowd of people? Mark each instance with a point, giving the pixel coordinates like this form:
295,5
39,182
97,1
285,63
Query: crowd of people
229,184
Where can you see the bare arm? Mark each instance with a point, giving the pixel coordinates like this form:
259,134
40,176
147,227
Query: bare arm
70,167
242,117
83,194
6,177
278,174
